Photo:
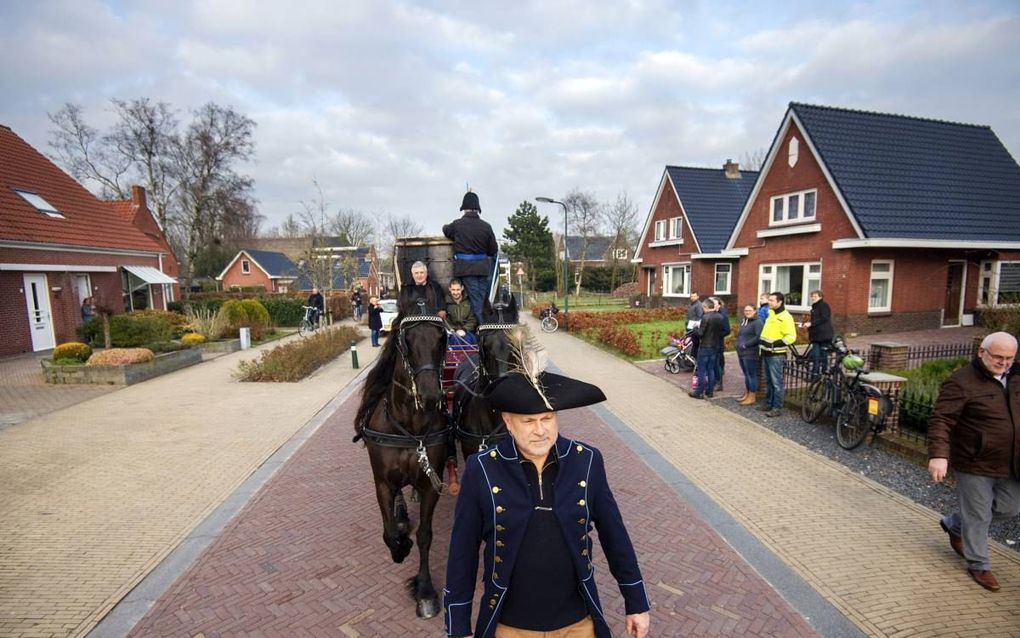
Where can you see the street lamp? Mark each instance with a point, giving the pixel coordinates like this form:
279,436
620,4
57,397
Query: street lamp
566,262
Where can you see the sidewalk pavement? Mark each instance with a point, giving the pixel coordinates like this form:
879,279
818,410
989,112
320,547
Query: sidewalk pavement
96,495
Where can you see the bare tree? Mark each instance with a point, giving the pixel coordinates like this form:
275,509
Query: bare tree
354,226
584,218
145,134
393,228
314,214
87,155
621,218
754,160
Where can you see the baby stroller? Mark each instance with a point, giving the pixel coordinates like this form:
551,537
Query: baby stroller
681,353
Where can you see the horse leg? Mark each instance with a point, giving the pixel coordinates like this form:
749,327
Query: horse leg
395,531
424,592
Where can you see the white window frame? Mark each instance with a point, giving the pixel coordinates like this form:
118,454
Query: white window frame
768,273
784,199
881,276
38,202
245,267
989,279
729,278
676,228
667,279
660,230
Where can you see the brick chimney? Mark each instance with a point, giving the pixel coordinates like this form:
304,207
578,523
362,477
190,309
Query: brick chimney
138,198
732,169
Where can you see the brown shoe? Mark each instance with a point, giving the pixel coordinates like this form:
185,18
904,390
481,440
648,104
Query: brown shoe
750,399
985,578
954,539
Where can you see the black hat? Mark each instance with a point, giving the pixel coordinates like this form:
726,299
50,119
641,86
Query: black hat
515,393
470,202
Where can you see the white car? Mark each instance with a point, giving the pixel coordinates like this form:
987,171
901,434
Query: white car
389,313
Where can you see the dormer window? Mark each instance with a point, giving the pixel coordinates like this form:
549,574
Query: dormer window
39,203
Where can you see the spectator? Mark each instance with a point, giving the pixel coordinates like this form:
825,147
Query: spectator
763,307
695,311
710,337
538,571
778,333
820,333
460,316
88,310
975,427
720,367
748,337
474,252
318,304
374,319
356,304
424,290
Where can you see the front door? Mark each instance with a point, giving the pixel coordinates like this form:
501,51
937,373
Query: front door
650,290
954,294
40,321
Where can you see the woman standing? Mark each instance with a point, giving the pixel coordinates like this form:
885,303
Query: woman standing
374,319
747,352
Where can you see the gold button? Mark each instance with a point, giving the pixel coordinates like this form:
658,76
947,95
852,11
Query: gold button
500,528
499,560
495,576
492,454
492,603
580,448
499,543
583,484
580,502
499,509
495,489
584,552
581,521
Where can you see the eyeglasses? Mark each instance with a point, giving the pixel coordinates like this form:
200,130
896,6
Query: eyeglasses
1001,358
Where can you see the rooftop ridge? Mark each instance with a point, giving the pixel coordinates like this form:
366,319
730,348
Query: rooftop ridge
914,118
709,168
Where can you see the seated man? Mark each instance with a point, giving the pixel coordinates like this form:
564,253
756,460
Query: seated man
423,289
460,316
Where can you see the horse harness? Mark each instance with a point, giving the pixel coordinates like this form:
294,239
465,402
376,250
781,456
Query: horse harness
500,432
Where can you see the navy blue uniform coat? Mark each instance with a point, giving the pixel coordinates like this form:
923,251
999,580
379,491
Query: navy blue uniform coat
495,506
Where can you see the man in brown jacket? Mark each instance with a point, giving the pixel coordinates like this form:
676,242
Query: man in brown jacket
976,426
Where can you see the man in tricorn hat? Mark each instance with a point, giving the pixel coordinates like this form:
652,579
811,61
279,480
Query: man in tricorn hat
474,250
533,500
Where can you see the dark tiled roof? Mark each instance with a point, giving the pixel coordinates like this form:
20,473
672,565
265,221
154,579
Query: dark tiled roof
712,201
597,248
276,264
907,177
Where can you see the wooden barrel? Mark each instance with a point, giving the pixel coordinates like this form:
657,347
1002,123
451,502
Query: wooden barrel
435,252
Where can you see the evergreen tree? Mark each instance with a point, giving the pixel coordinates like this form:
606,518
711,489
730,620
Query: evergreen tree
529,240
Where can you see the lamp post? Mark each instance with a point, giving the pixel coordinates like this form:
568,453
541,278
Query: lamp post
566,262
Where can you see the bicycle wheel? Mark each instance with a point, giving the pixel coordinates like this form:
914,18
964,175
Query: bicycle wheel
852,423
816,401
549,324
304,327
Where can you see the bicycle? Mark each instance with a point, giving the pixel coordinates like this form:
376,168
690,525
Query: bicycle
309,323
858,407
548,318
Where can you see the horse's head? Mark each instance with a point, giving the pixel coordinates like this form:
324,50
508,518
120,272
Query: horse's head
421,341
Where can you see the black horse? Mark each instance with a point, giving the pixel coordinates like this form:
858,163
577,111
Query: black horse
404,422
477,424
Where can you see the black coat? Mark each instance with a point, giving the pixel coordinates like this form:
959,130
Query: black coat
431,292
713,329
820,329
374,317
748,336
472,236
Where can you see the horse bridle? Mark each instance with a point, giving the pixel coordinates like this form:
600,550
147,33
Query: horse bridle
406,324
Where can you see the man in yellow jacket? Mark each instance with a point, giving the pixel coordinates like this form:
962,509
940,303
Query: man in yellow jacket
777,334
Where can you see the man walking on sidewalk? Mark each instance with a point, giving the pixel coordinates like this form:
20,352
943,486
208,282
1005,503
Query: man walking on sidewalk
976,427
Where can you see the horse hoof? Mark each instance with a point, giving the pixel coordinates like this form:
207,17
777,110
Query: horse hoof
427,608
402,549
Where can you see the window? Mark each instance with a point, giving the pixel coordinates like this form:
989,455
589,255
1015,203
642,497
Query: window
793,207
660,230
675,227
1000,283
722,278
793,152
880,290
796,281
39,203
245,266
676,280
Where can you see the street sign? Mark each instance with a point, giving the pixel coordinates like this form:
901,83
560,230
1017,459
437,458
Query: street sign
520,271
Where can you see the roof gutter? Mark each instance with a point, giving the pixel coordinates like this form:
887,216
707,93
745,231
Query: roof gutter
893,242
735,253
71,248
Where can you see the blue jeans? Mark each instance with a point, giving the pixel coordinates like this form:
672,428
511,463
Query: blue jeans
982,499
749,366
706,369
478,290
819,358
775,391
375,337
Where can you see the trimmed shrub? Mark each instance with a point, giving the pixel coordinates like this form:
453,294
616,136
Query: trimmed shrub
284,311
129,331
339,306
192,338
244,313
257,314
78,352
166,346
120,356
66,362
1005,318
295,360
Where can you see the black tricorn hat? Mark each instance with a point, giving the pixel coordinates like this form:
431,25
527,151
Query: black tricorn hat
470,202
517,394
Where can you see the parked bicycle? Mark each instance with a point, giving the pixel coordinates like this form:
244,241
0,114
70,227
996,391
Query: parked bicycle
310,322
857,406
548,318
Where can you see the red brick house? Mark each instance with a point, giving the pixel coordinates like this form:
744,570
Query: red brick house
681,245
904,223
59,243
272,271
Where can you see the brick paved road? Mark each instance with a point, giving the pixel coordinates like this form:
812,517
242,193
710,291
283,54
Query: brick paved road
306,558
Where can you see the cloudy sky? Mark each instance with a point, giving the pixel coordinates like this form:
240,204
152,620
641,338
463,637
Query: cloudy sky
395,106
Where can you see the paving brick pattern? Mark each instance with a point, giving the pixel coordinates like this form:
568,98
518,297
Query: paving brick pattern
24,393
306,557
